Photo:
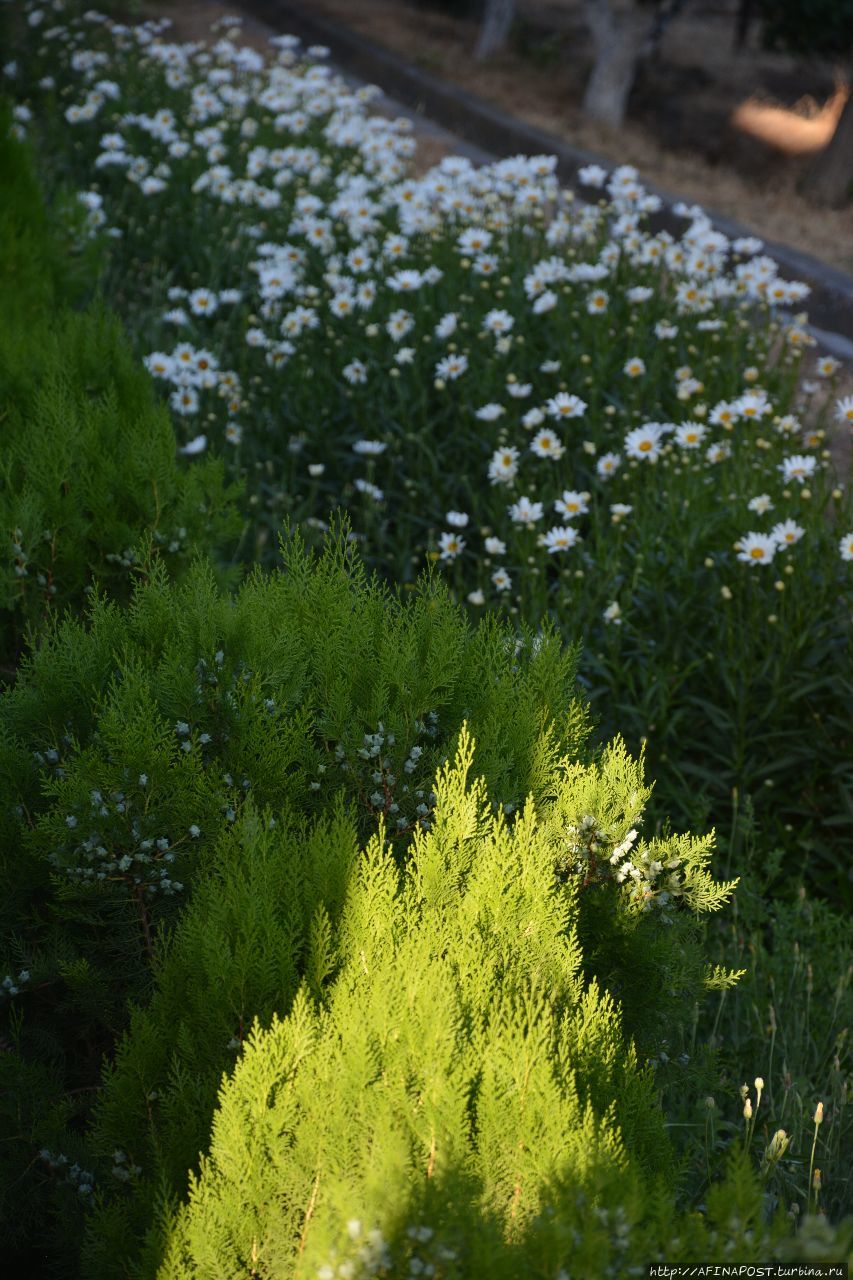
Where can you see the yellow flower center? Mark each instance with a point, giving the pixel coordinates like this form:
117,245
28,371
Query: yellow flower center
757,553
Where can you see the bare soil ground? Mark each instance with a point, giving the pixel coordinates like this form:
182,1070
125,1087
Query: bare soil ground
735,131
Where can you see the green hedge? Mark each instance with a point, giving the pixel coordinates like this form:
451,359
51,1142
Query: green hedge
91,488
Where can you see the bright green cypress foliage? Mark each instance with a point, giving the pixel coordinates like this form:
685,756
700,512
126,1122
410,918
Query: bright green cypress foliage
461,1093
239,953
91,489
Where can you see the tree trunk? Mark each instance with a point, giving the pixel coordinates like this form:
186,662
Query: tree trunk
830,179
745,14
619,33
494,28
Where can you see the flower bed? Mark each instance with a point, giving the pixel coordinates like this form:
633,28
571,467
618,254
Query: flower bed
575,416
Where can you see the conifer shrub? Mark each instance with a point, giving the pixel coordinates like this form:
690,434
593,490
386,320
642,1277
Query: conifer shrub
270,914
457,1099
91,490
132,742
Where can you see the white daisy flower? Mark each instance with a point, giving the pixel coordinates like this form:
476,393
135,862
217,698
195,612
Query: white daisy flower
607,465
645,442
473,240
451,367
450,546
718,452
563,405
756,548
572,504
724,414
690,435
195,446
592,175
753,404
560,538
533,418
798,466
786,533
844,410
372,490
490,412
546,445
498,322
184,401
503,467
525,511
202,302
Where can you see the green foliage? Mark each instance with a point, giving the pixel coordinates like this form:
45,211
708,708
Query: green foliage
44,253
262,919
270,912
293,401
460,1094
91,491
786,1022
451,1049
131,744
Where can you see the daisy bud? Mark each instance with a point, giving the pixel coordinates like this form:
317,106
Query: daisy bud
818,1114
747,1110
777,1146
759,1085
